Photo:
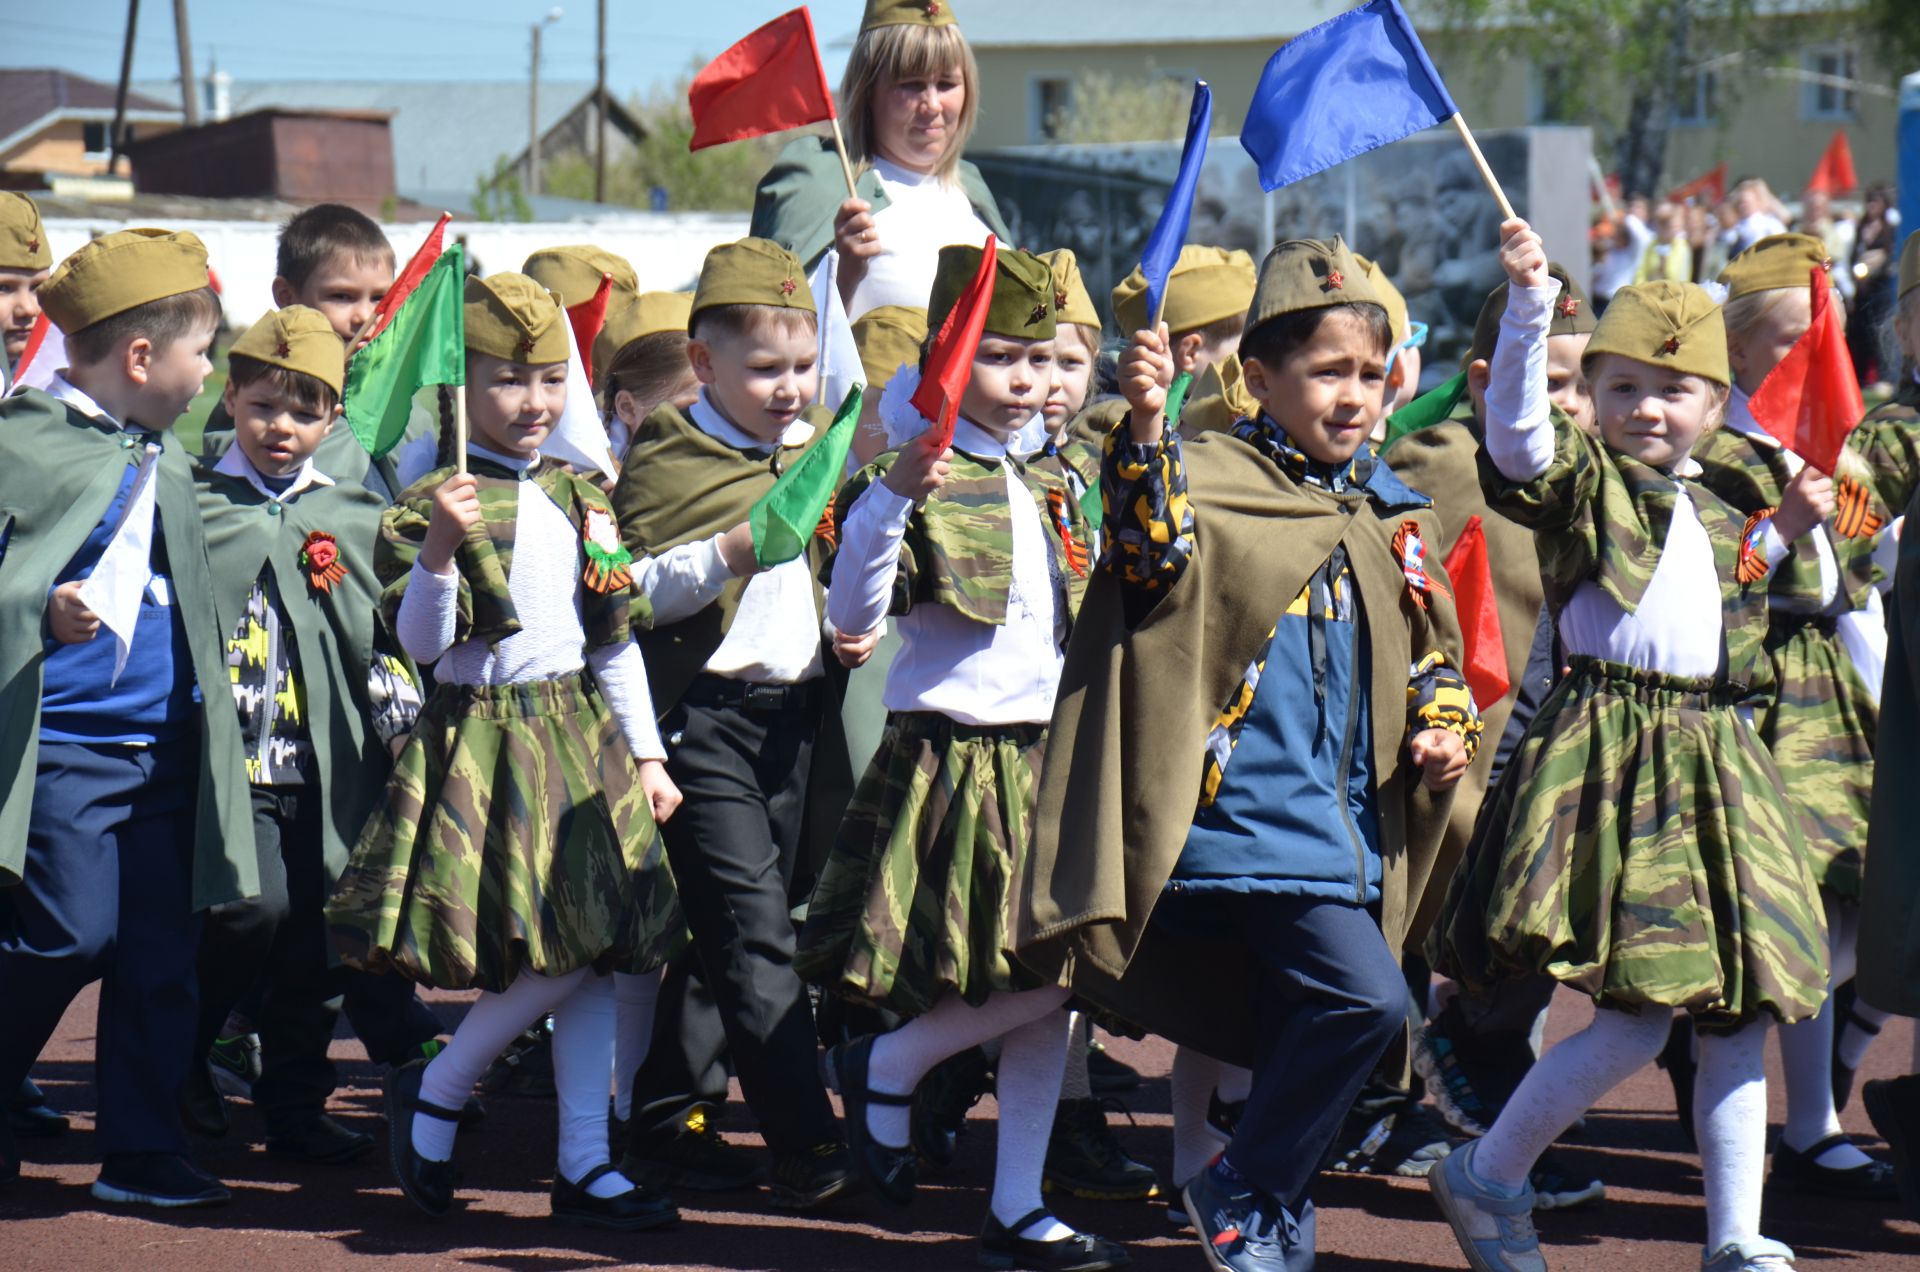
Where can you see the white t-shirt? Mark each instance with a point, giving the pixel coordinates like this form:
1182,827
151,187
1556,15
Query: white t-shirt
923,215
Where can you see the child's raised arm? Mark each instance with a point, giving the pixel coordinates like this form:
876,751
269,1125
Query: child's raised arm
1518,422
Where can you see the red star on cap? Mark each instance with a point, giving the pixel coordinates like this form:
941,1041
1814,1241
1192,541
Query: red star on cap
1059,300
1336,281
933,8
33,245
1671,346
526,344
1569,306
282,350
788,287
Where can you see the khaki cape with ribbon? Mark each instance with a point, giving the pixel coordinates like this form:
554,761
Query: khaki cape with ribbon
1129,731
58,474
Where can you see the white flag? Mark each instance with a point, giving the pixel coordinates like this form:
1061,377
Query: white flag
840,367
45,357
578,436
119,582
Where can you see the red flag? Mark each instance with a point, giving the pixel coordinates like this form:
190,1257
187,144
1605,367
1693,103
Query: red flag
410,278
1712,183
1810,401
1834,173
587,318
768,82
1479,610
950,357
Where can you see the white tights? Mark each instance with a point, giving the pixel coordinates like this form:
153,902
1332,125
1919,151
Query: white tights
1806,1052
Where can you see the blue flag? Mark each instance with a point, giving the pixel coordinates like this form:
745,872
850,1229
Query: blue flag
1352,84
1169,235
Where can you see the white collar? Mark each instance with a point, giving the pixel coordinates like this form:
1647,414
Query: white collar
976,441
1740,420
236,464
522,465
893,174
721,429
63,390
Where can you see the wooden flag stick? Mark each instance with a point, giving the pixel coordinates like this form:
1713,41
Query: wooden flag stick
1480,162
459,428
840,147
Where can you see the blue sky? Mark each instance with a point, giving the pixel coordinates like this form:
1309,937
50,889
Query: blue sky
647,41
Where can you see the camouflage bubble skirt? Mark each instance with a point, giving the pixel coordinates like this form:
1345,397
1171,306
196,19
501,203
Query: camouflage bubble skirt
1639,849
1821,730
514,837
915,899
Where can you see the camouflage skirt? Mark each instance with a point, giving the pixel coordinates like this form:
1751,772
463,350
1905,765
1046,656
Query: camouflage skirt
514,837
1639,849
1821,730
916,898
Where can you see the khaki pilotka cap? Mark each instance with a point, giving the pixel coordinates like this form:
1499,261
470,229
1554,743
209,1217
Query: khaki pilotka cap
1207,285
23,240
1302,274
636,318
1776,263
1572,315
510,316
1910,263
121,271
1676,326
753,271
297,339
1072,302
1390,299
574,272
1022,306
889,337
884,13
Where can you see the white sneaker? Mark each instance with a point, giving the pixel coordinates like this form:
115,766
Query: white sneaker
1756,1255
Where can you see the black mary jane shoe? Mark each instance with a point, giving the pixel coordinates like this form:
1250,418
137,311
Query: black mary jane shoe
631,1211
893,1173
29,1116
1002,1247
1801,1170
428,1184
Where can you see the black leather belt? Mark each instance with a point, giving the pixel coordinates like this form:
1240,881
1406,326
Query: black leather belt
741,695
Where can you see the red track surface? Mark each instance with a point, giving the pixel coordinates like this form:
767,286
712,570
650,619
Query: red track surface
288,1217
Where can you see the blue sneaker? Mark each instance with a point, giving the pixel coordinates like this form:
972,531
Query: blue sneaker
1495,1232
1240,1228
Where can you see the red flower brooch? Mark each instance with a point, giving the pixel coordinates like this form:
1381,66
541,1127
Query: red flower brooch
320,558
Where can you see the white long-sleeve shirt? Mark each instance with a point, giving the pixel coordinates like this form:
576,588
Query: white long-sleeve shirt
544,584
976,673
923,215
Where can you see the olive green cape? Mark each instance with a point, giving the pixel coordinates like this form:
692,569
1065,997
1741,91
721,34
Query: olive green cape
58,474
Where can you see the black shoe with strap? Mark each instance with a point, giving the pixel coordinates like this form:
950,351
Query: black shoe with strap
1800,1169
634,1210
29,1116
1001,1246
803,1180
891,1172
428,1184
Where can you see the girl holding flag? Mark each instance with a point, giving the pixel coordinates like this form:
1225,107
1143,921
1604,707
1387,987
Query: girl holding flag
516,852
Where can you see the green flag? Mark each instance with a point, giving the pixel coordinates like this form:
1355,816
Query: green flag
423,343
1431,407
785,517
1177,397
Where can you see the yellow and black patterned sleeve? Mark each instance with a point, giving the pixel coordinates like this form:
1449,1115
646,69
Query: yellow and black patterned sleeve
1147,521
1438,698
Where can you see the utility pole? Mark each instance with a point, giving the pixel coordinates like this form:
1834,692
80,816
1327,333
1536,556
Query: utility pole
185,41
533,106
600,108
118,141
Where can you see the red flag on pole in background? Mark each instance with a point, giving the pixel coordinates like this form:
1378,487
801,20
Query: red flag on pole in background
950,357
1810,401
587,318
1479,610
769,82
1710,187
1834,173
403,286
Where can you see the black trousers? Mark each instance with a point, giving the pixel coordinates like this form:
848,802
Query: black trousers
733,842
106,894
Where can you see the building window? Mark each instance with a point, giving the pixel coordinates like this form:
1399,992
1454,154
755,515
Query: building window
1829,94
1698,100
1550,97
1048,100
96,139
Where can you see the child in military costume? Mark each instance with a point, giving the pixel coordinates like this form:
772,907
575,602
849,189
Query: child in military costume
1826,639
320,696
25,260
737,660
124,812
1700,900
1254,777
515,851
640,362
982,559
1076,347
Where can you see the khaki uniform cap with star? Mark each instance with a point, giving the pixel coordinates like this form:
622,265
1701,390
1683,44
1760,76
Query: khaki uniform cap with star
647,314
1302,274
1207,285
509,316
885,13
1572,315
297,339
753,271
1775,263
1071,300
1023,303
121,271
23,240
1665,324
889,337
575,272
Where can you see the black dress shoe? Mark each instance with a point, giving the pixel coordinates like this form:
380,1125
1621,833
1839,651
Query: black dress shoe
1801,1170
803,1180
320,1139
1894,1106
166,1180
891,1172
29,1116
630,1211
428,1184
1079,1252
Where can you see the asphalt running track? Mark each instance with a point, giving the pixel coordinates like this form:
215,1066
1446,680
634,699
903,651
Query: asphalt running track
298,1217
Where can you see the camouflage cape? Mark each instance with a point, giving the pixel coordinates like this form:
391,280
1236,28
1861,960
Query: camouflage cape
1889,440
1645,852
1889,975
916,897
1129,732
514,834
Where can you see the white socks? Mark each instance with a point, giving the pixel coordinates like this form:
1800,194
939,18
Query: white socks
1195,1142
1028,1089
1806,1055
901,1058
635,998
1730,1124
1564,1084
582,1050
